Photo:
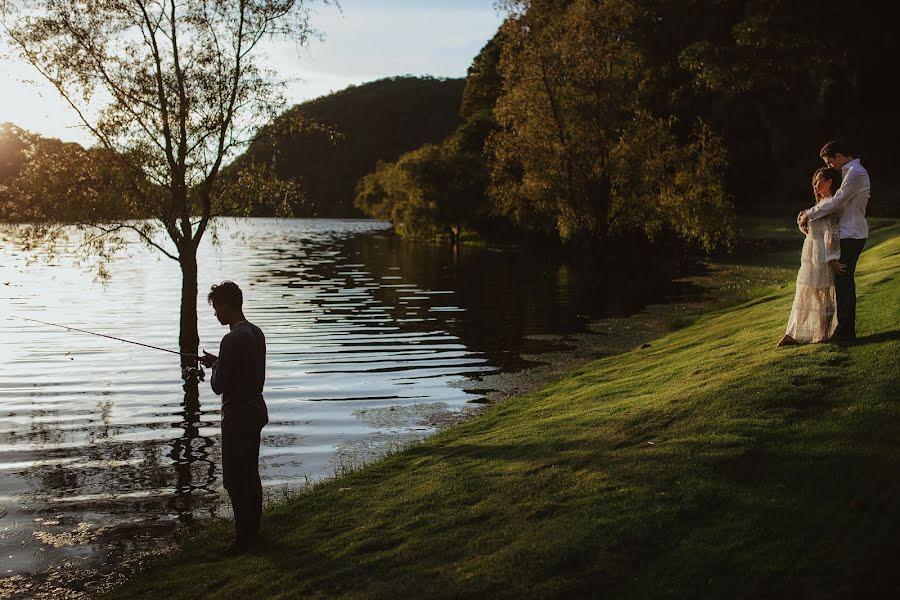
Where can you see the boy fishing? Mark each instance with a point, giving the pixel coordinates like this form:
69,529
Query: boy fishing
238,375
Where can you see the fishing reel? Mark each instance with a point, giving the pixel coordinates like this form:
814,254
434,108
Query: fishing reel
193,372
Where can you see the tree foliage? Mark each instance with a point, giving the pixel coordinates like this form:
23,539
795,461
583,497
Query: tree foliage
342,136
430,193
780,79
438,191
579,150
54,181
171,91
564,131
12,147
405,192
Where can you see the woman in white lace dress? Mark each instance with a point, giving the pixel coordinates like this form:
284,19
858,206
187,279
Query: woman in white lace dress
813,313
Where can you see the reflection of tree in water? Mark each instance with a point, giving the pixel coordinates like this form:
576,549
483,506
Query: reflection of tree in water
110,476
102,430
108,497
499,299
194,468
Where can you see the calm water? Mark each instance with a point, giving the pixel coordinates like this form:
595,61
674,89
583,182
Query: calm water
102,446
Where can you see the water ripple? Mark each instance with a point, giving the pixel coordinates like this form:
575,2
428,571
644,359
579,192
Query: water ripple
99,431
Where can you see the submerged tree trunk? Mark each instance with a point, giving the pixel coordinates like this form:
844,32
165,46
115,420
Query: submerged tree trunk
188,476
189,338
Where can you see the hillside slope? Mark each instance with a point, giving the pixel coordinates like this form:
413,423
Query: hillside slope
710,464
360,126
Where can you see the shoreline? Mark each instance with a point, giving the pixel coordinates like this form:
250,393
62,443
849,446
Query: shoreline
604,338
646,473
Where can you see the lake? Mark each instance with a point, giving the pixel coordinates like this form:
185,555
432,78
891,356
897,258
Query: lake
371,343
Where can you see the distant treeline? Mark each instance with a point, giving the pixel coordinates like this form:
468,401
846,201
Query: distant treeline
328,144
579,121
324,146
588,120
41,176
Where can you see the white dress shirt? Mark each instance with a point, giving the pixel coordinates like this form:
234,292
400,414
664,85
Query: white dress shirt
849,202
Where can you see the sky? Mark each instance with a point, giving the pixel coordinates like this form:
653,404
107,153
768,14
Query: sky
364,41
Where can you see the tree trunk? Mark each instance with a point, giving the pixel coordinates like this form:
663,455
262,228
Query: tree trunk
684,259
600,199
188,338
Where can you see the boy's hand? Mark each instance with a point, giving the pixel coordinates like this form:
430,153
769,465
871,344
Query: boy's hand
208,359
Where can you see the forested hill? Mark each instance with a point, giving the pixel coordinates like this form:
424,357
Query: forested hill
328,143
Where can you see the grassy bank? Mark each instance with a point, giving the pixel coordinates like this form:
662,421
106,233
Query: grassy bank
709,464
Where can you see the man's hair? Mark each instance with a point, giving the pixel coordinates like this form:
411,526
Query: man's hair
835,147
226,292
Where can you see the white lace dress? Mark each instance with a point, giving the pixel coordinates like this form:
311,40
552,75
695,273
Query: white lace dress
813,314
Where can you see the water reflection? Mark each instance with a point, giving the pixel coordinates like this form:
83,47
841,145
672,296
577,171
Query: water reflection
195,469
368,337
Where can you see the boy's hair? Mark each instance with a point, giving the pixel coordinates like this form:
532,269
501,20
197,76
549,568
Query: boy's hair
226,292
835,147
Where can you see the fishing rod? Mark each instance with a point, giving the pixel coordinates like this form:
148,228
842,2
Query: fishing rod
187,370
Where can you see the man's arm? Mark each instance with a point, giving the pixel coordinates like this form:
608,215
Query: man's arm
223,370
849,187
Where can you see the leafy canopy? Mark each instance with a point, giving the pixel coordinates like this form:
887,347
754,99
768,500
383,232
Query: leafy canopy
580,149
171,90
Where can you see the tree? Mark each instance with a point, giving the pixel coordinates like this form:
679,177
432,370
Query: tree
433,192
407,193
438,190
579,150
778,79
12,146
74,184
171,90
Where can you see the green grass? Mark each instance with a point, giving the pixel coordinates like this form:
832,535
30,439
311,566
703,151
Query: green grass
785,228
710,464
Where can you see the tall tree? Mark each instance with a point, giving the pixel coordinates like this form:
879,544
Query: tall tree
438,190
171,89
578,149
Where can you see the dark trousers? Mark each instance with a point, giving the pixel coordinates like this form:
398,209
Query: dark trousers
845,289
240,475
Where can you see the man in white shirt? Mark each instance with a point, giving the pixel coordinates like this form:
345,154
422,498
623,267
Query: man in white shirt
849,202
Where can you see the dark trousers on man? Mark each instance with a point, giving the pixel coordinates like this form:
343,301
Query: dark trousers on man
845,289
240,475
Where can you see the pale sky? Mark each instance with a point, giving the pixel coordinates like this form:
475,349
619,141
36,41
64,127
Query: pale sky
368,40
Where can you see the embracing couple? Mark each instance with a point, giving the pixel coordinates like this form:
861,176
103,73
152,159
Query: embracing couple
836,231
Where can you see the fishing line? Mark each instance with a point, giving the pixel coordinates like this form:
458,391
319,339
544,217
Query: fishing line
112,337
198,371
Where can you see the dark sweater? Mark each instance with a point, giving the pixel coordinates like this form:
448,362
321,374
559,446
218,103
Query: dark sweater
239,376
